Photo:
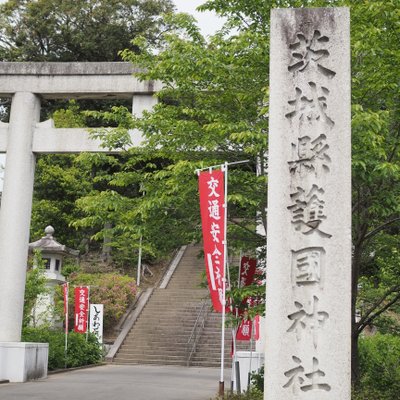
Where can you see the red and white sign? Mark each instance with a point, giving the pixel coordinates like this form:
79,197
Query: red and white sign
247,270
244,330
248,328
81,309
211,189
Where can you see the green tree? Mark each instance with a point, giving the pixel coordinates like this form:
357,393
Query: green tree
213,107
376,162
208,112
82,30
375,33
76,30
380,357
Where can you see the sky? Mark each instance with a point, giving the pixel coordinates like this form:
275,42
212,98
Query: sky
208,22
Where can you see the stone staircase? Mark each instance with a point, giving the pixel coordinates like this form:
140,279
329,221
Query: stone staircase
208,352
161,333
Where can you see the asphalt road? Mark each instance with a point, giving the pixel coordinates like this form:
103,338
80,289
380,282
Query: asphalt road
120,382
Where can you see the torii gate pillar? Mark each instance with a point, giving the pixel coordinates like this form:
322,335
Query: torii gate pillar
21,139
15,213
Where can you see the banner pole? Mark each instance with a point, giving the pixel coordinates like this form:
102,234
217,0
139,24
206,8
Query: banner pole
234,330
237,308
139,264
251,353
87,313
221,382
66,300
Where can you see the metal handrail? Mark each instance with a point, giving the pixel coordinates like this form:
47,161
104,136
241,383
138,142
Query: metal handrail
197,329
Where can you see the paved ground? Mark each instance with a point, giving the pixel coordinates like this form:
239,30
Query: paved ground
119,382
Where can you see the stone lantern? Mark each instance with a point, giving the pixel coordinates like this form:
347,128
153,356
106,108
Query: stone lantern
52,253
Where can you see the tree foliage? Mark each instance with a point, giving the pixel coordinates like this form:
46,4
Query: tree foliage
76,30
82,30
379,357
210,110
376,161
35,286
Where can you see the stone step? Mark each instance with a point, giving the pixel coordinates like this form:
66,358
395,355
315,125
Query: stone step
178,305
177,344
165,322
184,301
167,319
150,362
156,323
159,342
209,364
140,353
177,293
149,337
153,357
175,317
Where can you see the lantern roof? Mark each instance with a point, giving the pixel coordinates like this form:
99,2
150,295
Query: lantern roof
49,245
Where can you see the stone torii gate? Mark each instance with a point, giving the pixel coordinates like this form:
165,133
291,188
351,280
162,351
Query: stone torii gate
21,139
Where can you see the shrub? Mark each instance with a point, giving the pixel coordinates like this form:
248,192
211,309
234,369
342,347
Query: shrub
35,286
80,352
380,367
257,380
367,394
115,292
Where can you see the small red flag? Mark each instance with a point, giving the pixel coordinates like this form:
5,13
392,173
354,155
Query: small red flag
244,330
247,270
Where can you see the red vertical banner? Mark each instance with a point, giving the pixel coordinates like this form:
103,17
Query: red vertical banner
81,309
212,198
247,270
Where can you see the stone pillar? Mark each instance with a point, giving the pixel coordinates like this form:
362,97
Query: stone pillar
15,213
140,103
143,102
308,309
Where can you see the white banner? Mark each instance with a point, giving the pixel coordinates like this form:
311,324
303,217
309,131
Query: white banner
96,321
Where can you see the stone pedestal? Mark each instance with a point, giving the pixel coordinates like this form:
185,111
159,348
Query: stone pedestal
21,362
249,362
